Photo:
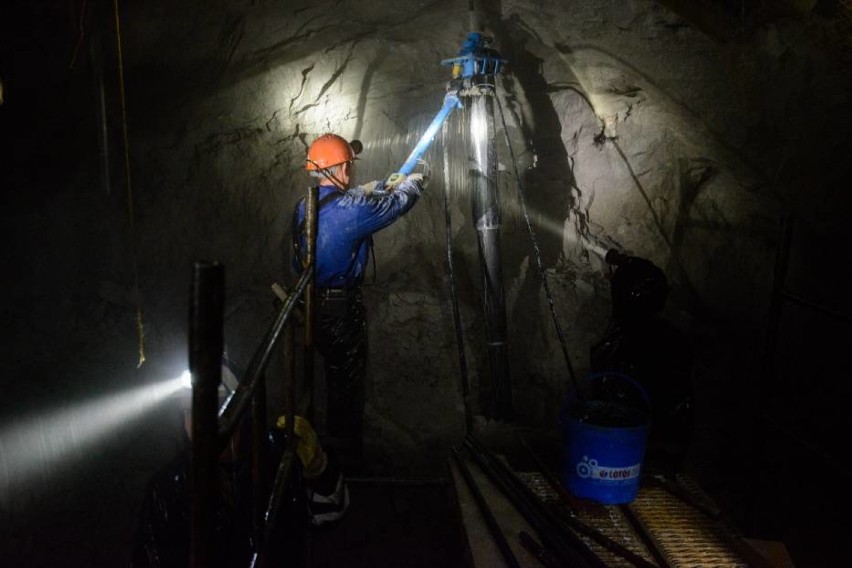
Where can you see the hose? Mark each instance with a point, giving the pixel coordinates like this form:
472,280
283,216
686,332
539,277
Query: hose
535,245
465,385
536,252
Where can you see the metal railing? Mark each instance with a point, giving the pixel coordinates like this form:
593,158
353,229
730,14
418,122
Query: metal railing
212,429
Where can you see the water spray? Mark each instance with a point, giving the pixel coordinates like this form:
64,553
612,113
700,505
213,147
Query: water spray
473,72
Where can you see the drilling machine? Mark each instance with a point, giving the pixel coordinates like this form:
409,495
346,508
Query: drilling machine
473,73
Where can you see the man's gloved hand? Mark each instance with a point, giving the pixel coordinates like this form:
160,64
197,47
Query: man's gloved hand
397,178
421,179
370,187
394,180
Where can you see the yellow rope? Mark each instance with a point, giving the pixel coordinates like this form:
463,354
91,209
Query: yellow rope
139,329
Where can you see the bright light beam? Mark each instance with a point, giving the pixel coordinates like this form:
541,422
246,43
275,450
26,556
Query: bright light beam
39,447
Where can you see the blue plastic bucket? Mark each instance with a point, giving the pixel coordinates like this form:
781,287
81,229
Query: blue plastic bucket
604,440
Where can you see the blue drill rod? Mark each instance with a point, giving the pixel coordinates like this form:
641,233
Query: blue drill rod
451,101
474,59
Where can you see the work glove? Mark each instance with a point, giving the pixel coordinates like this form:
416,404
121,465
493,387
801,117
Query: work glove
421,179
394,180
370,187
308,449
397,178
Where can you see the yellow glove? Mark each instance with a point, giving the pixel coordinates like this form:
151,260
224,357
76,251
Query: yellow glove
394,180
308,449
397,178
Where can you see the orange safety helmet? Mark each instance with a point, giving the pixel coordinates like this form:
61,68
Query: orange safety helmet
331,150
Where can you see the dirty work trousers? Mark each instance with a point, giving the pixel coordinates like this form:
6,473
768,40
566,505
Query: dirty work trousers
341,338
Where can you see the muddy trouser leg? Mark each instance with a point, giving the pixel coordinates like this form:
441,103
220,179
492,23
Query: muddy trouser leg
342,340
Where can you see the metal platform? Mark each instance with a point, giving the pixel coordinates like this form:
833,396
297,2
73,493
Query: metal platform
672,523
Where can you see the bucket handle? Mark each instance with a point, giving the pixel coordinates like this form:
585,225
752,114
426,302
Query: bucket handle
632,381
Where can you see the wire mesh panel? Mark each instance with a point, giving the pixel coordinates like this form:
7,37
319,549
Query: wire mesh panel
685,536
610,521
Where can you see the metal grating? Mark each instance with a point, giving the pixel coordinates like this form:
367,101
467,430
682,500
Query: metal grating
609,521
684,536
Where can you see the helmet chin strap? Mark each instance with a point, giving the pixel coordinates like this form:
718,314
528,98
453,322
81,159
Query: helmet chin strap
328,174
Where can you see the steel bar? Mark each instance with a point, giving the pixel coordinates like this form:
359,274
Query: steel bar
684,495
311,207
290,383
537,550
551,517
457,325
485,511
283,475
819,308
238,403
782,260
642,532
537,250
578,525
258,461
566,546
97,58
399,481
205,363
554,522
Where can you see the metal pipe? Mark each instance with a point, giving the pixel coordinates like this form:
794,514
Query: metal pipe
819,308
463,375
399,481
645,536
290,383
487,514
782,259
579,526
311,206
283,474
486,217
237,404
537,550
258,459
451,101
537,251
205,363
555,537
286,467
96,53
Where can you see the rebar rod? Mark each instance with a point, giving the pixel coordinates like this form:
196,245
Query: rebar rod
485,511
258,461
237,404
283,475
309,266
463,375
566,546
536,549
578,525
537,252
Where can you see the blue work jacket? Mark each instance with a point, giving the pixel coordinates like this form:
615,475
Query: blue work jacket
345,225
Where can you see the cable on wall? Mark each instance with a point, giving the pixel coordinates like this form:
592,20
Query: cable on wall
139,327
